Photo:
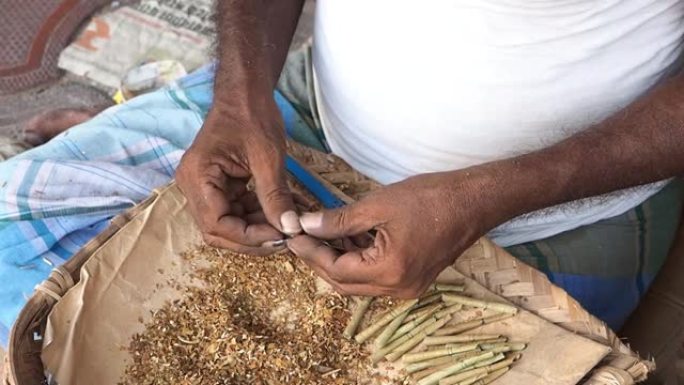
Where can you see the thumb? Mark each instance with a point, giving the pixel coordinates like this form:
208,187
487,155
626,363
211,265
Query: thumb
276,199
337,223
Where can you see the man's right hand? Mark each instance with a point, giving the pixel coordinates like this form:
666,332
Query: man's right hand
235,144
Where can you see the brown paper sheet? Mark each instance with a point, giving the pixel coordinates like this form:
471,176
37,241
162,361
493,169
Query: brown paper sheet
90,329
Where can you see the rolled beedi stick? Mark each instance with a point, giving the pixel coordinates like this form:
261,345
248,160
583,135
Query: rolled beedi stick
428,298
417,375
499,349
460,327
417,313
499,340
434,378
434,362
429,371
384,320
449,287
491,344
451,309
470,325
407,327
415,340
497,358
496,306
469,376
360,310
442,340
445,351
495,365
510,346
379,354
491,377
480,369
472,381
389,330
468,381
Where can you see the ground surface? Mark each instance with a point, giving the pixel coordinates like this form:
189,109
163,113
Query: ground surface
16,109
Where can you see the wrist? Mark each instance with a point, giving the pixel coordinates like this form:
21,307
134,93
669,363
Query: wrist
243,99
255,110
516,186
495,192
243,79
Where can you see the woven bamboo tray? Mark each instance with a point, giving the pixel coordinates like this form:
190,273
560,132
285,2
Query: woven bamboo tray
485,262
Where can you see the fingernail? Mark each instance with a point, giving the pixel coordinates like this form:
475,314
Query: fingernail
289,222
272,244
311,221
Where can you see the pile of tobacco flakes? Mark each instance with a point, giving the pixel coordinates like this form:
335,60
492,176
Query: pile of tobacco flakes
254,320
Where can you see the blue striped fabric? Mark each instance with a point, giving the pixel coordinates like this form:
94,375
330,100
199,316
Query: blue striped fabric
56,197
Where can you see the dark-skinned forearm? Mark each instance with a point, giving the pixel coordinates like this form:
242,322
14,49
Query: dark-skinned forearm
254,38
641,144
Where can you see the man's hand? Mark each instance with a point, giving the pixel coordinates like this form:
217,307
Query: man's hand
234,145
422,224
243,134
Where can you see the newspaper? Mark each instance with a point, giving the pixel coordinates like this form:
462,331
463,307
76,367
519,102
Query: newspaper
152,30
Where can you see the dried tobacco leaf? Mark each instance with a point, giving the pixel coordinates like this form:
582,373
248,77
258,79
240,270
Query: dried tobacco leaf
253,321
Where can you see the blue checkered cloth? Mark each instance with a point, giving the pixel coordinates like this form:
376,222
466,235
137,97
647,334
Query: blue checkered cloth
56,197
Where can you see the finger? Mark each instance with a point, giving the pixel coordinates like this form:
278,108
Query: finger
362,241
342,288
345,221
208,205
348,268
348,244
217,219
215,196
250,202
266,249
357,289
236,209
301,201
274,194
233,188
239,231
256,218
349,273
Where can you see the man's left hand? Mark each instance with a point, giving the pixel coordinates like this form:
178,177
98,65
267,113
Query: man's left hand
421,225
